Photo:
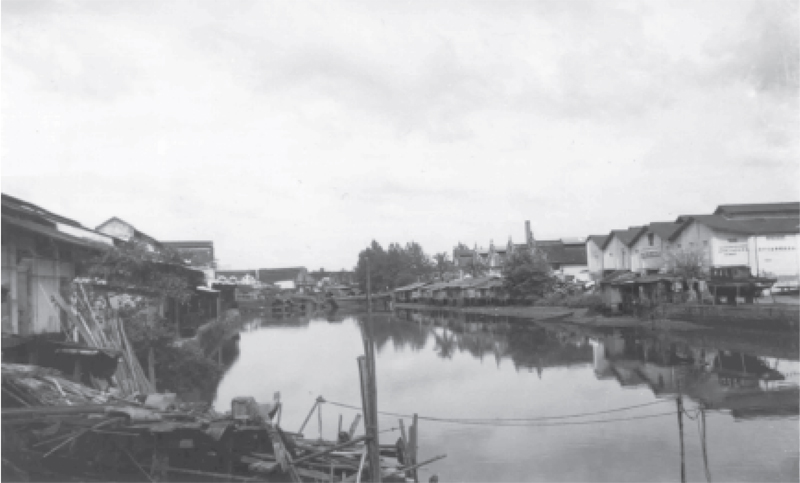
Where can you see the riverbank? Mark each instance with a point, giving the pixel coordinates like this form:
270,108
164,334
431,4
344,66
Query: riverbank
580,316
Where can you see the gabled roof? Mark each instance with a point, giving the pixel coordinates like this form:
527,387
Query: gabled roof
743,209
625,236
136,232
757,226
598,240
28,216
664,229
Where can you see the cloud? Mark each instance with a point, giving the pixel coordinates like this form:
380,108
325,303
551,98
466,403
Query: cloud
321,125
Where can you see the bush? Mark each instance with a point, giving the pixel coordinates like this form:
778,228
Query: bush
179,368
585,300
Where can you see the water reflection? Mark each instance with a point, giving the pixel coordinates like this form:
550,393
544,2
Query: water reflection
453,365
747,385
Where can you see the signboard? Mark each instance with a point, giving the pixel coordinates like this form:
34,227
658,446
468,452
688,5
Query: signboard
651,253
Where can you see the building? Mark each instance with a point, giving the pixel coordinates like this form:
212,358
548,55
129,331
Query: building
122,230
759,210
40,254
617,248
768,246
650,247
567,257
342,277
594,255
238,277
293,278
197,254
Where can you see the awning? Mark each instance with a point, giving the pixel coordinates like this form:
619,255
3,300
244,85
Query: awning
203,288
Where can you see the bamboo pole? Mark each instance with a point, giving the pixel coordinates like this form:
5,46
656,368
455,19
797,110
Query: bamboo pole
354,425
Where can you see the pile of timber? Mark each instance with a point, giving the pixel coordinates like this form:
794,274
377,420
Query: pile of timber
105,332
28,385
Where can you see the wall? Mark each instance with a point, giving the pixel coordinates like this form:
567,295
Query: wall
695,236
616,256
778,256
645,256
594,257
117,229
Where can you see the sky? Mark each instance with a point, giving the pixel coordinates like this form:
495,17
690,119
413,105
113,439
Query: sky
294,133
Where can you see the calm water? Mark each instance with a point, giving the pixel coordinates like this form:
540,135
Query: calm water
463,367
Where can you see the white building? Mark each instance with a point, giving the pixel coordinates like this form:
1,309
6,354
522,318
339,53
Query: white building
649,247
617,248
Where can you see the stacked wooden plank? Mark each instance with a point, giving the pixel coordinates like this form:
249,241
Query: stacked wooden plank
105,332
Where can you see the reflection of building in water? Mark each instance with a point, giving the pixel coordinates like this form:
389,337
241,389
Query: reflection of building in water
744,384
527,345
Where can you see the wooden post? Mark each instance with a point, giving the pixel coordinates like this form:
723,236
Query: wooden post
414,434
303,426
14,295
354,426
339,431
151,367
370,420
679,401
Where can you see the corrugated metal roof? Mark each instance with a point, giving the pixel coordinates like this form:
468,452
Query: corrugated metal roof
759,226
788,207
664,229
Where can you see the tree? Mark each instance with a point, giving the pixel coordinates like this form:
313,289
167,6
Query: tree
394,267
686,262
527,273
443,265
475,266
134,266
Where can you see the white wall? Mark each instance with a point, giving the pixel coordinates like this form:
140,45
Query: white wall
776,255
645,256
616,256
594,257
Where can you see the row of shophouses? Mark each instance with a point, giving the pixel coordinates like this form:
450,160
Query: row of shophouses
762,237
44,254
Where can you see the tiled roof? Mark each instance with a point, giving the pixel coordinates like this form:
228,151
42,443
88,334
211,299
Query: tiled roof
790,207
759,226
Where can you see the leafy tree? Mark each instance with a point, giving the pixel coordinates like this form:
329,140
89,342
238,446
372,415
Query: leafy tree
686,262
475,267
443,265
134,266
527,273
398,265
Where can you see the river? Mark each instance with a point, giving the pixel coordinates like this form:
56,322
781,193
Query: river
740,391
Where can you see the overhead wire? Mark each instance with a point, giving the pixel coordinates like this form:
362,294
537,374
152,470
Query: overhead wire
528,421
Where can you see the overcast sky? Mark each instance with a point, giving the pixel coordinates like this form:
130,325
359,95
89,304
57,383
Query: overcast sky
293,133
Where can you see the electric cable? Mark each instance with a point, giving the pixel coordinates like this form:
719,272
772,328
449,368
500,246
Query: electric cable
526,421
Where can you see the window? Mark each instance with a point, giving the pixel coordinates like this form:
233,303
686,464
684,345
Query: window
679,245
650,238
691,244
733,240
775,237
705,243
